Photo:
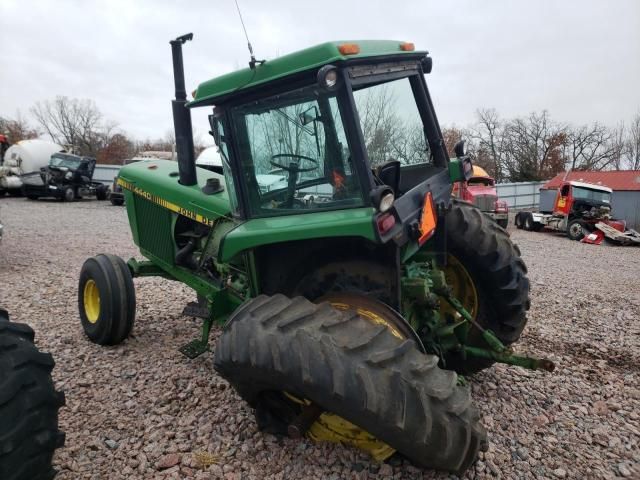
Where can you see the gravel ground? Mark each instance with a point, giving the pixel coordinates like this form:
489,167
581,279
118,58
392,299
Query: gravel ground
142,410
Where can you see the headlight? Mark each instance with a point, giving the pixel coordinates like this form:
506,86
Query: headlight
68,175
328,77
386,202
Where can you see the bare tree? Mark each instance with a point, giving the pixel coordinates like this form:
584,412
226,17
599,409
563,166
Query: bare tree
17,128
73,122
533,147
632,144
592,147
490,136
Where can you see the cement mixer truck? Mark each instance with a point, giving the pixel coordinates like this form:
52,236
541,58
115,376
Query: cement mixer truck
26,156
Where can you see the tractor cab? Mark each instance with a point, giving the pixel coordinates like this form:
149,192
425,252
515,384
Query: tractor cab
354,129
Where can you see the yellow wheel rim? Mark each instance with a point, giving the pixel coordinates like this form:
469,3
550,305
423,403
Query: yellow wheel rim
91,301
462,287
333,428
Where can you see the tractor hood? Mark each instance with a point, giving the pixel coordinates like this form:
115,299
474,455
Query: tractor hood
157,181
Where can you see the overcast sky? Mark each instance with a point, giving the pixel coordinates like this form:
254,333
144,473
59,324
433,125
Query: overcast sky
578,59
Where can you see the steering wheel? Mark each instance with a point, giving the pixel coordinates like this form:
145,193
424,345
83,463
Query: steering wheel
293,167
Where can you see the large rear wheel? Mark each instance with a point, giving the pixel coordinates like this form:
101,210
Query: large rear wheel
378,390
29,406
488,276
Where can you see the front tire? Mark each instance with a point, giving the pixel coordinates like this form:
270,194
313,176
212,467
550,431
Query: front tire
106,299
101,193
118,202
498,274
68,195
576,230
354,368
29,406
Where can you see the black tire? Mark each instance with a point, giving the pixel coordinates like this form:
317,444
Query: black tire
354,368
101,192
528,223
68,195
576,230
518,221
503,222
117,299
32,197
29,406
498,273
117,201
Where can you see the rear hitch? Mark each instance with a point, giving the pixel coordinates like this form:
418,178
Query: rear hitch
497,350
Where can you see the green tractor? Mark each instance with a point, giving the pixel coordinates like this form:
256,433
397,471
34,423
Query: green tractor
351,289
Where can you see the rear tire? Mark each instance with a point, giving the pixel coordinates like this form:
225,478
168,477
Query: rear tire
107,320
518,221
29,406
499,275
354,368
117,201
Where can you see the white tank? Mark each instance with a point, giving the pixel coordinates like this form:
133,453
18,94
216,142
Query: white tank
26,156
209,157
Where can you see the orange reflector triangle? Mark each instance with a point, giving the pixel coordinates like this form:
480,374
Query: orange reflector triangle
428,219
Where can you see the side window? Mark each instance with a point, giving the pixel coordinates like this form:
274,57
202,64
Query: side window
226,169
391,123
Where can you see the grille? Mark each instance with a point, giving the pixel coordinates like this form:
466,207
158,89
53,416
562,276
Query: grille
486,203
154,228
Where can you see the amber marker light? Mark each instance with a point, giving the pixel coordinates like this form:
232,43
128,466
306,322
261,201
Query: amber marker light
349,49
427,220
407,47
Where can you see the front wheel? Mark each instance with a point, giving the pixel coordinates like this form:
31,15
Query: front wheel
488,276
576,230
371,382
106,299
68,194
101,192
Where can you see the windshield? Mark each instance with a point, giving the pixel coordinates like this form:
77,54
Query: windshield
69,162
588,194
294,153
391,123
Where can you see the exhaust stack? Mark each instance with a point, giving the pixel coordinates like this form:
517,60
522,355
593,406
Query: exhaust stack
182,116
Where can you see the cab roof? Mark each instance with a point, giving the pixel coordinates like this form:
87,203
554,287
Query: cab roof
211,91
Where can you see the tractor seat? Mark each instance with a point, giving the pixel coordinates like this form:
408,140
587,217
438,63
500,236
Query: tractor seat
389,174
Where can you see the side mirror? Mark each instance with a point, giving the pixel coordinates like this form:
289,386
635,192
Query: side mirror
427,64
459,149
309,115
214,132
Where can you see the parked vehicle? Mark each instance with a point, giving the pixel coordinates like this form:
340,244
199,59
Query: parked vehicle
22,158
577,209
480,190
345,317
67,177
29,405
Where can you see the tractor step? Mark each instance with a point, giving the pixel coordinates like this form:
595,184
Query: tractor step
195,309
194,348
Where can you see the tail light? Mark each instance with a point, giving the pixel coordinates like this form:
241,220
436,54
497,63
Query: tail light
385,223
